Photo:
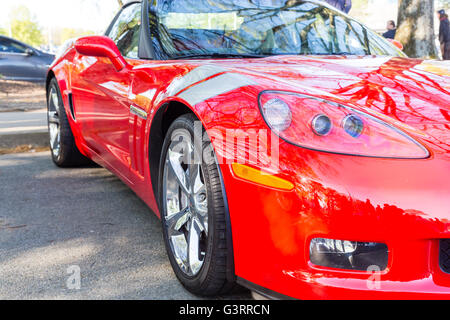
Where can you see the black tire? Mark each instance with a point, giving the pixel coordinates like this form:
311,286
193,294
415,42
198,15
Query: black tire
68,154
212,278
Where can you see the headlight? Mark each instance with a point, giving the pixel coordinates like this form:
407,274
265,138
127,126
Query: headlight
353,125
323,125
278,114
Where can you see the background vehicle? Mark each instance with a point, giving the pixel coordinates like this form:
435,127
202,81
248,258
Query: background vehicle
19,61
353,118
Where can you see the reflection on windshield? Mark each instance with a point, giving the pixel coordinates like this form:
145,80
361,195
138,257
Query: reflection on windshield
259,27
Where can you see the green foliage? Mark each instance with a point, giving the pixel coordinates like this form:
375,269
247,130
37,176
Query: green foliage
24,26
69,33
3,32
61,35
359,9
359,4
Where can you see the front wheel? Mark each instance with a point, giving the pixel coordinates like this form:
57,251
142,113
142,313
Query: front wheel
193,212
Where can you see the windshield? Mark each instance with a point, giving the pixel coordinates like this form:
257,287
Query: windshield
259,28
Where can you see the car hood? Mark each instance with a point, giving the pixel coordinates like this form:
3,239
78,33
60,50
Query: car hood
409,93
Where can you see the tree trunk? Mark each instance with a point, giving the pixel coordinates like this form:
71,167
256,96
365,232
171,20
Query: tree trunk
416,28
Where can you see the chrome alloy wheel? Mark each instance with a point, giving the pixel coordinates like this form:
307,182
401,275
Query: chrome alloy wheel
185,204
54,123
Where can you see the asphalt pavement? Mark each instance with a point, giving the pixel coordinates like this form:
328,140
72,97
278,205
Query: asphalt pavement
23,128
23,122
56,224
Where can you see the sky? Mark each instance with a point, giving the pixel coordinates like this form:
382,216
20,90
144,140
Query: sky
92,15
380,11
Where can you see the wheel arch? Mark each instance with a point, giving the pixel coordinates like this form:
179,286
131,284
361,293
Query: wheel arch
162,120
62,84
50,76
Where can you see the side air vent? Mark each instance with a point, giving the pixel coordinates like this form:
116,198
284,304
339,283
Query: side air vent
72,110
444,255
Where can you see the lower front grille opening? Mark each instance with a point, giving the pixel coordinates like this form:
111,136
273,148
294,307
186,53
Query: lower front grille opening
444,255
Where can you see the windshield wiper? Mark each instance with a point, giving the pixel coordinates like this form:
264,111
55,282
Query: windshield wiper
219,55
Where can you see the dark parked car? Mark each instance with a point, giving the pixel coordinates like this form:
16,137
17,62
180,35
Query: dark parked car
19,61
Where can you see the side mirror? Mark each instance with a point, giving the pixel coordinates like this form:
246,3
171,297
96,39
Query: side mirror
101,46
396,43
29,52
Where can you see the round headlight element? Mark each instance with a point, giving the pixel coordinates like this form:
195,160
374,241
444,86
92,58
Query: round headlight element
321,125
278,114
353,125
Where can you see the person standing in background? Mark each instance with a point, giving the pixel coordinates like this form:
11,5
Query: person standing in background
391,30
444,34
343,5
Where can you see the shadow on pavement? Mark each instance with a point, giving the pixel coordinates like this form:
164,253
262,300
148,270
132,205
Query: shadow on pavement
51,219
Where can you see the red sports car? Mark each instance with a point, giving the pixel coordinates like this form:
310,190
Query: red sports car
285,147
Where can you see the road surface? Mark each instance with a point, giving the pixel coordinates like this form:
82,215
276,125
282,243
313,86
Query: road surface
23,122
54,222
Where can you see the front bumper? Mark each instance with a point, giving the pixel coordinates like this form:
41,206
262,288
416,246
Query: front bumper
402,203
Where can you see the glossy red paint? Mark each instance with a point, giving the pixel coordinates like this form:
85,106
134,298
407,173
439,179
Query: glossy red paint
404,203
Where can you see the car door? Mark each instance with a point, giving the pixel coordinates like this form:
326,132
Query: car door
17,61
100,94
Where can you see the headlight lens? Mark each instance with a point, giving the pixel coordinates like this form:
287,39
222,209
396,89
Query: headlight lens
323,125
353,125
278,114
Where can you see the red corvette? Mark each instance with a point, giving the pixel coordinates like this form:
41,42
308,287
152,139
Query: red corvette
285,147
